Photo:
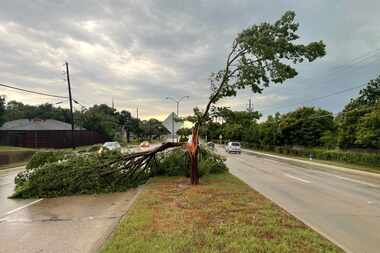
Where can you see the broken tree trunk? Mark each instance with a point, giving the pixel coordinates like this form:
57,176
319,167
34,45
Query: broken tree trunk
192,149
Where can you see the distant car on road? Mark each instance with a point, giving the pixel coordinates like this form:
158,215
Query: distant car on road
112,145
145,144
211,145
233,147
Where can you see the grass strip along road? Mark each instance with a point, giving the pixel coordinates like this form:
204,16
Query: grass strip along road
222,214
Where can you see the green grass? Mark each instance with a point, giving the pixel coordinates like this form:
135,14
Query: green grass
10,148
222,214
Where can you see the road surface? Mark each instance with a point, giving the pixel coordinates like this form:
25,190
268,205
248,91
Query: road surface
67,224
343,207
6,189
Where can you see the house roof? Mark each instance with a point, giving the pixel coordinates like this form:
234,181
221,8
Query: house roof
36,124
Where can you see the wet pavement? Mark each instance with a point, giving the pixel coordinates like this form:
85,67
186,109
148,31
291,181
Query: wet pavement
7,188
66,224
342,206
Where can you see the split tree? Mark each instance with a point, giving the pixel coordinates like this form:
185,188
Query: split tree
261,55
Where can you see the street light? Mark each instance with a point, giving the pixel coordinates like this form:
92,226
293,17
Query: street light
177,102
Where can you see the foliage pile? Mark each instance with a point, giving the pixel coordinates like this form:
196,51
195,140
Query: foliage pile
62,173
78,174
43,157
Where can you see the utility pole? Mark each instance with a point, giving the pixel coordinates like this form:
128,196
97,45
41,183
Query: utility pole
71,105
137,112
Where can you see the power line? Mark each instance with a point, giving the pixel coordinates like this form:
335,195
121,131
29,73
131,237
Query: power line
33,92
357,60
318,98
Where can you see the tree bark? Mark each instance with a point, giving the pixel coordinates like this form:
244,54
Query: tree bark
192,149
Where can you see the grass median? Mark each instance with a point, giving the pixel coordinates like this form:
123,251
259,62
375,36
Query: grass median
222,214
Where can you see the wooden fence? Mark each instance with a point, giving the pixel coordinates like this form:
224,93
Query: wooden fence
49,138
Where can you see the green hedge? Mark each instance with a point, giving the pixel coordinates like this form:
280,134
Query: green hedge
360,158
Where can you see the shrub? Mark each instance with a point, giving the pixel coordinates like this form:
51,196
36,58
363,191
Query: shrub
210,162
176,163
173,163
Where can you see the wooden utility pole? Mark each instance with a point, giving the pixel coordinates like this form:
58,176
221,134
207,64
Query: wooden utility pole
71,105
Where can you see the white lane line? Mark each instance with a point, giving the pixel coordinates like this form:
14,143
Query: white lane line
297,178
22,207
357,181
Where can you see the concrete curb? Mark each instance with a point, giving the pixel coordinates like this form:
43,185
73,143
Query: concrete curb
100,244
352,171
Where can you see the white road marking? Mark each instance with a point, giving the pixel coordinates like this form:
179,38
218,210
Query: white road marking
357,181
22,207
297,178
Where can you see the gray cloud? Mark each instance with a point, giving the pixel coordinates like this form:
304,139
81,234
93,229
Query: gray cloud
139,52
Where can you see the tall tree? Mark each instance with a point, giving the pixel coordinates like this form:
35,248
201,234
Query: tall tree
102,119
260,55
368,129
305,126
349,119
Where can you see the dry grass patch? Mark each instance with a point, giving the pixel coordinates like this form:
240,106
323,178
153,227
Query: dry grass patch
222,214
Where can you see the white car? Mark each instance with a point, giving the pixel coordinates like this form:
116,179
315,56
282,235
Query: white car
112,145
233,147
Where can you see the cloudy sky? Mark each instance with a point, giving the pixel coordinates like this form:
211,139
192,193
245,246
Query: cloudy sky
138,52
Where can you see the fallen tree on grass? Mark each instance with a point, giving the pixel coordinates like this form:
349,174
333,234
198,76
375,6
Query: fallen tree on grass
56,174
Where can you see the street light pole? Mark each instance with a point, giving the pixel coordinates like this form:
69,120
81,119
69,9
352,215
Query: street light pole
178,101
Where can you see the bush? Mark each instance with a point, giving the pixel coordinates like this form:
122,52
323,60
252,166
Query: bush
173,163
210,162
43,157
177,163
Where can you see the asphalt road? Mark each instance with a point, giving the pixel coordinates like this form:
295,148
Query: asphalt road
67,224
341,206
6,189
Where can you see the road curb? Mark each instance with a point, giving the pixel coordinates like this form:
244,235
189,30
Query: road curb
352,171
100,244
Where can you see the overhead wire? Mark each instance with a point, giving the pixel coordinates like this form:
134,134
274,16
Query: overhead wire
31,91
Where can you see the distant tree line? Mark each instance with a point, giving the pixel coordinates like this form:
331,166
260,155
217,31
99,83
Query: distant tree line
357,126
102,118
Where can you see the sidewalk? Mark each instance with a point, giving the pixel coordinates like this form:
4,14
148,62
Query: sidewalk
66,224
